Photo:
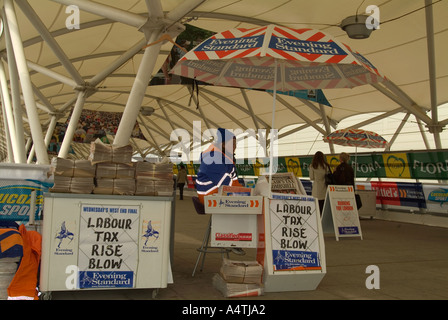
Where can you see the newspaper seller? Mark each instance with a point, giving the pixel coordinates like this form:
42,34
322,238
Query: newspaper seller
217,166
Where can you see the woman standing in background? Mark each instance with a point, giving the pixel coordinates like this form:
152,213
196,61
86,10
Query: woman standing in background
318,170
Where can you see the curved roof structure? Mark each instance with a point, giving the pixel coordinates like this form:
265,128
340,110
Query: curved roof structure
61,57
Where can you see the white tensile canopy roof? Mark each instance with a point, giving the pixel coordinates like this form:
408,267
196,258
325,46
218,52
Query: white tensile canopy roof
102,66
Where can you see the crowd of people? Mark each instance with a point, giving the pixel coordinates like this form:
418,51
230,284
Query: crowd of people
92,125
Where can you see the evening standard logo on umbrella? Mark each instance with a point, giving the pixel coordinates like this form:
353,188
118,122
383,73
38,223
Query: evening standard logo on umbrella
231,44
304,46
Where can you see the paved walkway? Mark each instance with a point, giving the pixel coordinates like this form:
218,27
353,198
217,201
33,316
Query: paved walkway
412,260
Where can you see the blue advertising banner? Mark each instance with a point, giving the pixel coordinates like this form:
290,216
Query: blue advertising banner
15,198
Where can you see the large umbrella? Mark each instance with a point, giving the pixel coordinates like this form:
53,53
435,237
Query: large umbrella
276,58
302,59
356,138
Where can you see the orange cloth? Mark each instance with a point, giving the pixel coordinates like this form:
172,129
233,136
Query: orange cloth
23,285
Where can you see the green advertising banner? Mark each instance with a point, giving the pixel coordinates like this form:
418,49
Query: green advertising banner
398,165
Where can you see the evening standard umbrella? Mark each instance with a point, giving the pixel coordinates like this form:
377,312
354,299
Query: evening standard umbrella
276,58
356,138
302,59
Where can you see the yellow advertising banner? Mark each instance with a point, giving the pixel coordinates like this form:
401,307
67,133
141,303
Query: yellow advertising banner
396,165
293,165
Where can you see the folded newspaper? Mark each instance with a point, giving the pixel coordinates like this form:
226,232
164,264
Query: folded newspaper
237,290
101,152
73,168
241,271
79,185
123,186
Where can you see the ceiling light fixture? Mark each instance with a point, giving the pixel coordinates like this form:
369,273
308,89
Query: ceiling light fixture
356,27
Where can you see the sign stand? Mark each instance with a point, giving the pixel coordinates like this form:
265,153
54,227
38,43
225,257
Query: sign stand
340,214
290,244
234,220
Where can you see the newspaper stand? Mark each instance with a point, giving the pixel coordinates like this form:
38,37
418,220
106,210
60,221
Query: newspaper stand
234,220
92,241
291,244
340,214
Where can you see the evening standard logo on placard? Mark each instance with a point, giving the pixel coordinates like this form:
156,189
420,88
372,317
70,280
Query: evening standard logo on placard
348,230
150,235
230,203
64,239
295,260
106,279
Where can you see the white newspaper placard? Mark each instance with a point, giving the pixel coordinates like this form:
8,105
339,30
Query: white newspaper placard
108,248
295,234
340,212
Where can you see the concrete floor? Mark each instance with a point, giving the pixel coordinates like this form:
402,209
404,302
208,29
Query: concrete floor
412,261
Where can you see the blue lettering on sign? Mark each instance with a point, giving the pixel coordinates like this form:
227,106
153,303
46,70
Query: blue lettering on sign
348,230
290,260
106,279
411,195
303,46
15,199
231,44
439,195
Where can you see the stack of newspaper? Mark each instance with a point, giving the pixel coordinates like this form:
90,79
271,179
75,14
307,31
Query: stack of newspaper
110,170
239,279
115,178
115,172
73,176
100,152
154,179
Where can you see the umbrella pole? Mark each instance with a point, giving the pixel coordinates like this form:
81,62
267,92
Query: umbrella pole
356,165
271,156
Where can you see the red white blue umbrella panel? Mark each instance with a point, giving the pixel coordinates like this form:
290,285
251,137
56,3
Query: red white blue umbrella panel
356,138
305,59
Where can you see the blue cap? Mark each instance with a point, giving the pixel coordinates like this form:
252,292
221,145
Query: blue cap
224,135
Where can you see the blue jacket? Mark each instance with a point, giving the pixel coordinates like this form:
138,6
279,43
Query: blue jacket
216,170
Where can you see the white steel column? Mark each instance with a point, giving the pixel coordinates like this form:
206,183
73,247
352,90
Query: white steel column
7,136
74,118
50,41
435,127
153,29
15,93
8,112
33,117
138,90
